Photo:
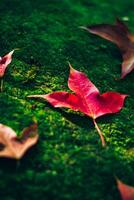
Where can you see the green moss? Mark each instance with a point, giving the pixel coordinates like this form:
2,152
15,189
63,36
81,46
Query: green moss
68,162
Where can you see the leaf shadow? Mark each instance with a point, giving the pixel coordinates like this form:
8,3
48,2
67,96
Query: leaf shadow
7,164
13,166
82,121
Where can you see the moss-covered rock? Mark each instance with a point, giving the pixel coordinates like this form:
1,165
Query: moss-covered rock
68,163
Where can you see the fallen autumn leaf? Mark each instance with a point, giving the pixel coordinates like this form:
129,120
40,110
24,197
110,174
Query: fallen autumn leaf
126,191
86,99
4,62
13,146
120,35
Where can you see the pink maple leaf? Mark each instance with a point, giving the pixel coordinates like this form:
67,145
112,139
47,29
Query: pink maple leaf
126,191
4,62
86,99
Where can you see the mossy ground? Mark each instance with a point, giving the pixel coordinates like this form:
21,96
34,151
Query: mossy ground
68,163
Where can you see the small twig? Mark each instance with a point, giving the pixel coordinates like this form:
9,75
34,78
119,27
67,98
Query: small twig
83,27
17,164
1,85
100,133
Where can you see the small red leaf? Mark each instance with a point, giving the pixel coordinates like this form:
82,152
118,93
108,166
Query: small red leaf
12,146
120,35
86,99
4,62
126,191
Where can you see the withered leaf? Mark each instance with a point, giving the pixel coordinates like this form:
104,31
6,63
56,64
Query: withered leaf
120,35
13,146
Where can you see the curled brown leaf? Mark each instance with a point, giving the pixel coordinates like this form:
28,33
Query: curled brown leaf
13,146
120,35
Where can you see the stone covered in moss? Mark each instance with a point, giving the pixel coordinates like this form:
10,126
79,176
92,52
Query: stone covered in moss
68,163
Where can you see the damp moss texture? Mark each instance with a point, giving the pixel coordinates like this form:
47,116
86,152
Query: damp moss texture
68,162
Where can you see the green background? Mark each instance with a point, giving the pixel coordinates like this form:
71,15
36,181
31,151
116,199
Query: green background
68,162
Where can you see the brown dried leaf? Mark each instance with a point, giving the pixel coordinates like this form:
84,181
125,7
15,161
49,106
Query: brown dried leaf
12,146
120,35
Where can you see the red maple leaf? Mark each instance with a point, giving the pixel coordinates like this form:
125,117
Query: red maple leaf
86,99
126,191
4,62
120,35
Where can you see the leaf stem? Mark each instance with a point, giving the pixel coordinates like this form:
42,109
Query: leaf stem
1,84
17,164
100,133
